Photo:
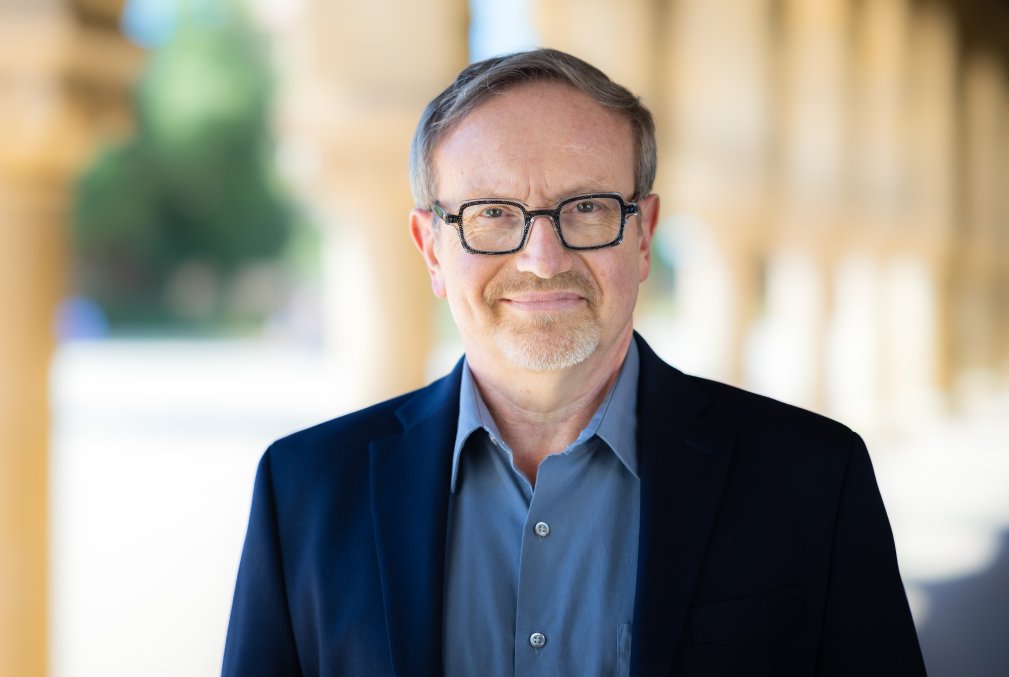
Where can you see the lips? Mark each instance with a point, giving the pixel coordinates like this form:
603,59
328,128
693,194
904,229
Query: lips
568,287
544,301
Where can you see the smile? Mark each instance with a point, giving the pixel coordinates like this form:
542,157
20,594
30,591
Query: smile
544,302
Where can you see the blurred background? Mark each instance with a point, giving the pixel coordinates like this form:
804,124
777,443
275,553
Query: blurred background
203,247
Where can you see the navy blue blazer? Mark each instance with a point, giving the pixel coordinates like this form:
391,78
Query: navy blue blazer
764,546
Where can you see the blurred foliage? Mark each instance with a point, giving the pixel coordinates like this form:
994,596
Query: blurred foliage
193,188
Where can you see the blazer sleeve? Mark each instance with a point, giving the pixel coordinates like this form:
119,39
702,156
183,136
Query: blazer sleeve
867,628
260,637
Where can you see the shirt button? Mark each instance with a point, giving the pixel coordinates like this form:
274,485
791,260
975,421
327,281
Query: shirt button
537,640
542,529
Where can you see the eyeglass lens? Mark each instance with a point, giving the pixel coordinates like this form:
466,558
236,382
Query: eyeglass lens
498,227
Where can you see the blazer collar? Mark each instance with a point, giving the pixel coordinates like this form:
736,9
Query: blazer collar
409,488
683,460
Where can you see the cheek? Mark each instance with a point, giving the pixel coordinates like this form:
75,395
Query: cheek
465,281
620,280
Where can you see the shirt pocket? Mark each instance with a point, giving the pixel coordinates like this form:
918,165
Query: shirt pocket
745,617
624,650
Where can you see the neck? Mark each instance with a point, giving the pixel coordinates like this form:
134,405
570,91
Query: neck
541,412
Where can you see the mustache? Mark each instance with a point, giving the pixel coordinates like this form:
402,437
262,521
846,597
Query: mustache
568,281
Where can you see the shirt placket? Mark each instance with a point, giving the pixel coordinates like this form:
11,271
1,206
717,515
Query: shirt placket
538,619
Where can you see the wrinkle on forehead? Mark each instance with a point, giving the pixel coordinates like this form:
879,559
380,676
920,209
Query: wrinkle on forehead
537,143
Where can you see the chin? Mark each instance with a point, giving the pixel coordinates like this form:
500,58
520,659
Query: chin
548,345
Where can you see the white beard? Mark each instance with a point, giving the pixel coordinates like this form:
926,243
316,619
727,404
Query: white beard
545,341
547,344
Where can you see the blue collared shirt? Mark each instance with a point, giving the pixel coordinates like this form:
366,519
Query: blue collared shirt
540,581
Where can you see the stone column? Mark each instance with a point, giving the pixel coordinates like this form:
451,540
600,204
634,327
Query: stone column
360,75
880,182
984,131
620,38
811,219
879,115
61,82
1002,254
814,123
31,271
919,261
715,121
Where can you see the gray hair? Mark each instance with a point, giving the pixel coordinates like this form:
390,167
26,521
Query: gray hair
484,79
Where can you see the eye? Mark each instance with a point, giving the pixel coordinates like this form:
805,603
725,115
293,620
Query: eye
586,207
492,212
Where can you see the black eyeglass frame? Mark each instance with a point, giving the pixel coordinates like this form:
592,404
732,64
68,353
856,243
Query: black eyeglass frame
626,209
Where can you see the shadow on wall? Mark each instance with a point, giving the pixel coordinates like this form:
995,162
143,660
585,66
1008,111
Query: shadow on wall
966,629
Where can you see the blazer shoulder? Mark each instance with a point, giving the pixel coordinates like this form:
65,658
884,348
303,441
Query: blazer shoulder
351,434
756,419
376,420
761,416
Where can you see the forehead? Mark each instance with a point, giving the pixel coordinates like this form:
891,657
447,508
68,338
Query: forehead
536,141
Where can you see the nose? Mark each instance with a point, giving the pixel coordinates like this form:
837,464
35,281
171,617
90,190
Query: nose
544,256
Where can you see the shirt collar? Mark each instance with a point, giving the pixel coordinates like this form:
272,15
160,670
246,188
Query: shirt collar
614,422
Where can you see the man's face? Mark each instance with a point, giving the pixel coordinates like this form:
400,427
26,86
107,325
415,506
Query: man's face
544,307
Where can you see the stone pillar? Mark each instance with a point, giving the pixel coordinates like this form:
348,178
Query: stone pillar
880,180
359,77
814,64
813,126
786,347
1002,255
31,256
715,123
879,115
58,80
919,262
619,38
984,131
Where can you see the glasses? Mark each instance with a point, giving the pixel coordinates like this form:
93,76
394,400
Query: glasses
582,222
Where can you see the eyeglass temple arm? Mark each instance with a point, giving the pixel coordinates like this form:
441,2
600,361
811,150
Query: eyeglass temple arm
444,215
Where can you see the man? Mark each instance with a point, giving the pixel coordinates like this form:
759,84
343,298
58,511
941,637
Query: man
562,503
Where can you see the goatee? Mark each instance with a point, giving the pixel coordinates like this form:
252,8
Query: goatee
547,341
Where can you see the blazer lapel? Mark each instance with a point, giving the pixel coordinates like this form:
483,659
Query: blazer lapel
409,488
683,462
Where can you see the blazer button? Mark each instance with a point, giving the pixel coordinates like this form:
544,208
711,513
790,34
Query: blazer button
537,640
542,529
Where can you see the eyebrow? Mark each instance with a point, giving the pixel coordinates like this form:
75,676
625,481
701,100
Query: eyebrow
563,196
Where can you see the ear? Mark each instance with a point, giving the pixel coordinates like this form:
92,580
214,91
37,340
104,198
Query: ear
648,220
424,236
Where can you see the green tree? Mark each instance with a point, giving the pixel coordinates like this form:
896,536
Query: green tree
195,182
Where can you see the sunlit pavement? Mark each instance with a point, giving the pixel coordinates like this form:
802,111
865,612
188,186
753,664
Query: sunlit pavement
946,488
154,452
155,446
